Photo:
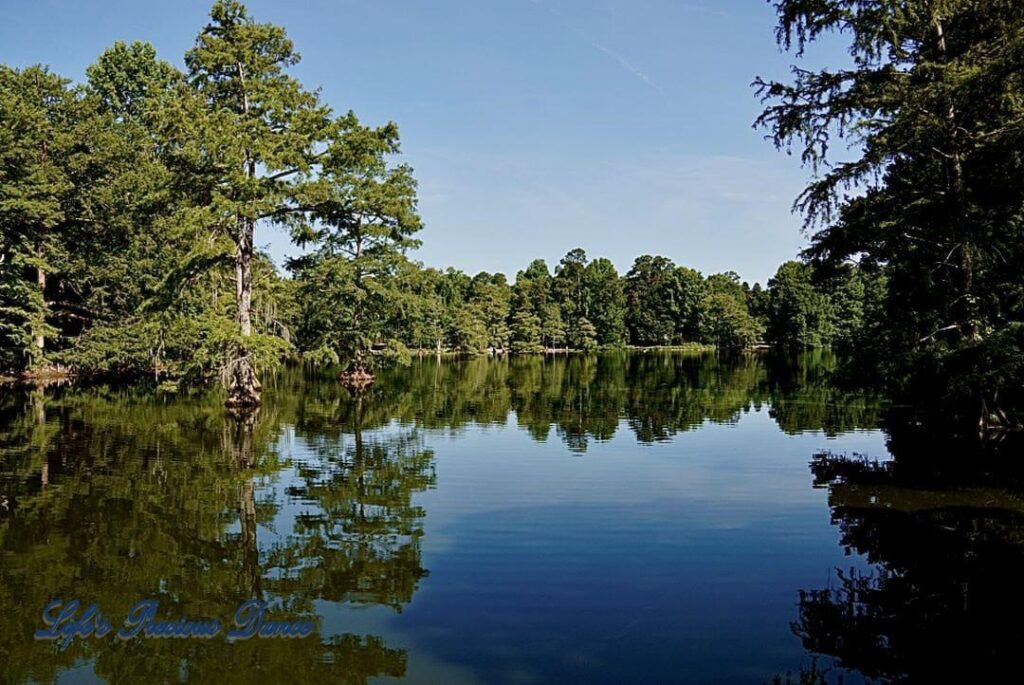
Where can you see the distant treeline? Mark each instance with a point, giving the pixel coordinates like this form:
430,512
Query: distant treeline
585,304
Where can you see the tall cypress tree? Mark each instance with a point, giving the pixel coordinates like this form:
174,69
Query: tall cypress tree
362,224
251,136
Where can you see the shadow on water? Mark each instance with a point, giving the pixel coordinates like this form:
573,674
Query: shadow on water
942,524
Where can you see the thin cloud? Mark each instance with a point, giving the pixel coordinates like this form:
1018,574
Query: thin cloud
591,40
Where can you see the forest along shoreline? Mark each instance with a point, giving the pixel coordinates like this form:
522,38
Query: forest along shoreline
130,252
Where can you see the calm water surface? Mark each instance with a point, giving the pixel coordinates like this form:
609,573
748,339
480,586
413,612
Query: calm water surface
623,518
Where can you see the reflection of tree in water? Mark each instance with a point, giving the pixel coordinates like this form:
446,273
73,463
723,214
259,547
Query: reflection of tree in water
943,599
115,496
112,499
585,398
579,396
365,530
668,394
804,395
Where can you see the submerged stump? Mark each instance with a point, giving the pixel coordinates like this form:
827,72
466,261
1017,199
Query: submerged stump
244,387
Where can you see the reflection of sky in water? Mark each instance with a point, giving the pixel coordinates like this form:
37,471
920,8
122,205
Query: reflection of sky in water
677,559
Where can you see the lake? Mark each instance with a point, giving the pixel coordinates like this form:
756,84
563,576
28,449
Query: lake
615,518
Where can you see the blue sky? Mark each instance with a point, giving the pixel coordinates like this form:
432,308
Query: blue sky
534,126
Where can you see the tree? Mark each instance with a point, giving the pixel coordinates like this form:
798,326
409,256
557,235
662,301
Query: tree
526,333
532,289
725,320
689,294
552,328
931,105
123,301
728,324
531,306
489,301
128,79
249,140
569,287
583,335
468,333
607,301
798,313
650,305
363,223
757,303
22,314
38,114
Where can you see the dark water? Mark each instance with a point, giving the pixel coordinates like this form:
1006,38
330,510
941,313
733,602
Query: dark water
644,518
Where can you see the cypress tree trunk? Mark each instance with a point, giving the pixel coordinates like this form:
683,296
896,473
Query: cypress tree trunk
243,386
243,276
967,310
40,340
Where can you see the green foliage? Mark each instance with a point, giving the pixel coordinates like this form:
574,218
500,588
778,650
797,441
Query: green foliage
650,303
129,80
532,290
552,327
176,476
569,288
606,301
526,333
689,291
799,314
757,302
37,141
729,325
581,304
489,302
22,316
468,333
353,286
583,335
930,108
130,204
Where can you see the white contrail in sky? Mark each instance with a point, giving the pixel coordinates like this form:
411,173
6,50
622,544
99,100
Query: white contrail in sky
597,45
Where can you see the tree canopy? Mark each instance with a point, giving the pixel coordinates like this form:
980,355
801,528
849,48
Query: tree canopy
930,192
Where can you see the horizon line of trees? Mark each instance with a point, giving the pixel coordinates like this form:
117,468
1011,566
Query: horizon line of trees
585,305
